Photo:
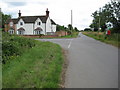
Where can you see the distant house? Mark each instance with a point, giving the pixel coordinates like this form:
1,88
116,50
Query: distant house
31,25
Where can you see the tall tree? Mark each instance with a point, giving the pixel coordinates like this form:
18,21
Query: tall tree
108,13
4,18
70,27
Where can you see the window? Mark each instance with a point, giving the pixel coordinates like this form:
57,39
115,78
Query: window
21,23
38,23
20,32
11,31
37,32
11,24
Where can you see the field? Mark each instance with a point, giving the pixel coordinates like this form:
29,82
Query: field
37,66
113,39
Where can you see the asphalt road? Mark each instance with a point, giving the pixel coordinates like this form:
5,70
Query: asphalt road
92,64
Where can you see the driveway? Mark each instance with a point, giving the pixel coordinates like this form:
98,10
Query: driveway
92,64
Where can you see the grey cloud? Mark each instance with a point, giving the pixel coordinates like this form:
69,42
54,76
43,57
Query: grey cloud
42,3
17,3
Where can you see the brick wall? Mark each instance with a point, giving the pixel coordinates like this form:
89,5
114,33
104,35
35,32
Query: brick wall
61,33
38,36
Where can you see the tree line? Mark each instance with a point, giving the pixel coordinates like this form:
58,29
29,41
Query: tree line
69,28
108,13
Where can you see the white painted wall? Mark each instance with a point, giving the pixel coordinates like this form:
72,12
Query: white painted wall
48,25
28,29
41,26
36,25
54,28
18,25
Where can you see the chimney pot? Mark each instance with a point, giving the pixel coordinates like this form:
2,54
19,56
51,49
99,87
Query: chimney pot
19,14
47,12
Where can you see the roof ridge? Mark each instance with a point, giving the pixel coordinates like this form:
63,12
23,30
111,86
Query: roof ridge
35,16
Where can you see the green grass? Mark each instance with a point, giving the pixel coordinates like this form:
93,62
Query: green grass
38,67
73,35
113,39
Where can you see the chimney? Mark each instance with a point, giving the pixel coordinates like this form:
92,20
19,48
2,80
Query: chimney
47,12
19,14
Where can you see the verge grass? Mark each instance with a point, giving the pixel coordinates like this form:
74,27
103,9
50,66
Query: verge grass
113,39
38,67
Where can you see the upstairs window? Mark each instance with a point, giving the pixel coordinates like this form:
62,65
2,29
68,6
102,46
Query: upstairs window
38,23
21,23
11,24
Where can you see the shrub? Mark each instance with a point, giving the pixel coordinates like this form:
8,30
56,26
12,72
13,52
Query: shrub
10,49
13,45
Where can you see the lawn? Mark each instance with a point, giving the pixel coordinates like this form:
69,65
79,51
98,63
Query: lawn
113,39
37,67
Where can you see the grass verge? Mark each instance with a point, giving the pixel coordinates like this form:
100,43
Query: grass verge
73,35
113,39
38,67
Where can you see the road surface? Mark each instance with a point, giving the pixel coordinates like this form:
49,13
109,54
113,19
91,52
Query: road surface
92,64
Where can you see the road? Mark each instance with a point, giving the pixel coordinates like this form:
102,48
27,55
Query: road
92,64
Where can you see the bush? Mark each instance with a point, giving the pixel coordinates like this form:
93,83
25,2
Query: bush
13,45
10,49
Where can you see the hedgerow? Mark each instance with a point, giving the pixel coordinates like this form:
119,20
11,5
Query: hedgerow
13,45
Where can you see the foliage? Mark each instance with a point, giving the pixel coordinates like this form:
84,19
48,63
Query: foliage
87,29
68,29
108,13
59,27
4,18
38,67
113,39
76,29
13,45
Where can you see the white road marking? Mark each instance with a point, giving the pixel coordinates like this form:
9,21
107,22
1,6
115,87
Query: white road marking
70,43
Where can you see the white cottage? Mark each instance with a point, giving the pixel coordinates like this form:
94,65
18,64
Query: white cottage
31,25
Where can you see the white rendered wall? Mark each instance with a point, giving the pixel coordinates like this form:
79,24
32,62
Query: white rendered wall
28,29
42,25
18,25
48,25
54,28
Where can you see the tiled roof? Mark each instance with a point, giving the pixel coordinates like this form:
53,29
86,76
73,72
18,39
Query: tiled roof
15,20
53,22
21,29
31,19
38,28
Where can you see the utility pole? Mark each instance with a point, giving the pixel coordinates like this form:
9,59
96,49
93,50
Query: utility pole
71,22
99,23
99,18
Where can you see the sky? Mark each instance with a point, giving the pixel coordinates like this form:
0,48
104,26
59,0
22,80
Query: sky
60,10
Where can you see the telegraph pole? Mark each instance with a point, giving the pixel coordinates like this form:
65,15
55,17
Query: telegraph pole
71,22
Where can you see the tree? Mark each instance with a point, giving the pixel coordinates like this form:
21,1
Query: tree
76,29
108,13
59,27
70,27
4,18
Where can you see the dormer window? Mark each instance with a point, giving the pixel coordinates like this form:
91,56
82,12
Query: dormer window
11,24
38,23
21,23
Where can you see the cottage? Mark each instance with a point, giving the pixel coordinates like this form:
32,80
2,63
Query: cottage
31,25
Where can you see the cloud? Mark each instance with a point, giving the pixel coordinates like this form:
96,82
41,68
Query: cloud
16,3
60,10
